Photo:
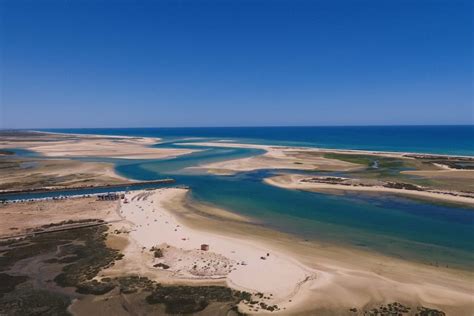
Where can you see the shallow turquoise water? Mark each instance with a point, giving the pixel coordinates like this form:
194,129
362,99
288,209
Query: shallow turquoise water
454,140
392,225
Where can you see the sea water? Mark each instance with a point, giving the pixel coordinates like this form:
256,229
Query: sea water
402,227
453,140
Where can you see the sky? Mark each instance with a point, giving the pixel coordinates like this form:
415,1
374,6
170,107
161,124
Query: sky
174,63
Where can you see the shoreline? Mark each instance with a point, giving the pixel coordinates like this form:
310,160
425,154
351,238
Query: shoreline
234,144
297,182
229,259
294,275
297,276
325,150
157,139
309,274
31,173
315,159
130,183
84,145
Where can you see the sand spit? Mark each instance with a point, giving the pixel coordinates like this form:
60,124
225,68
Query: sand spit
164,248
302,182
306,158
324,150
243,264
74,145
275,157
52,168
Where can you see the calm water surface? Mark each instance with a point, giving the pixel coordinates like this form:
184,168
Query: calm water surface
455,140
396,226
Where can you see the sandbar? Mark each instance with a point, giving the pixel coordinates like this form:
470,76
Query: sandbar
300,182
298,277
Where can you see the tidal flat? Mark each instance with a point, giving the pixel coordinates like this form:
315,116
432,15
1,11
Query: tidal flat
253,231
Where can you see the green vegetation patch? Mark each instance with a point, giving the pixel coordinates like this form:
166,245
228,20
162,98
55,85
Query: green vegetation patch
92,256
383,168
80,254
158,253
192,299
399,309
390,169
34,302
132,284
371,161
9,282
95,287
83,248
358,159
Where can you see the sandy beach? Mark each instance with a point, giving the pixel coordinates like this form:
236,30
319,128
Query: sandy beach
53,168
275,157
298,182
297,277
434,171
162,232
236,158
241,263
303,158
76,145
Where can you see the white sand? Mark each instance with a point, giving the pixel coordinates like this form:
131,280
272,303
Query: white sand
230,144
328,280
98,146
277,274
275,157
294,181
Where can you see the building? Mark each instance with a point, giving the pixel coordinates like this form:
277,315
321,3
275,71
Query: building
205,247
108,197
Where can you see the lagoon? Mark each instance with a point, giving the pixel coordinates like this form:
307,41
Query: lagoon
432,233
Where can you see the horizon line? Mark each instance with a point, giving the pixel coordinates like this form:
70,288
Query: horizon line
235,126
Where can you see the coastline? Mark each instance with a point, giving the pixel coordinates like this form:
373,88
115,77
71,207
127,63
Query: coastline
83,145
310,274
233,144
130,184
275,157
308,158
322,149
152,139
268,148
297,182
53,166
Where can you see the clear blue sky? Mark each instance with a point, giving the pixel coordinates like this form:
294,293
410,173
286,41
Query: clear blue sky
235,63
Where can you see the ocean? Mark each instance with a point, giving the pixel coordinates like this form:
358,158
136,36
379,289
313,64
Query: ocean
452,140
396,226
